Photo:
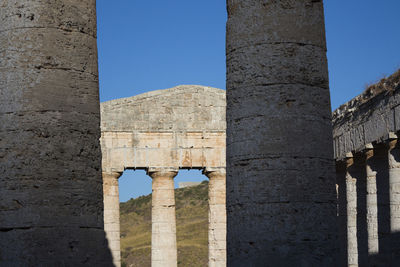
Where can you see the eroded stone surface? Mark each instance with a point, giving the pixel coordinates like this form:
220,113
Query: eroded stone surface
163,221
51,211
369,117
365,132
280,173
180,127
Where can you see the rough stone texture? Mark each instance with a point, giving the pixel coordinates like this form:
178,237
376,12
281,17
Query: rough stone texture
341,178
368,118
281,202
394,185
111,214
184,108
393,244
216,217
367,126
51,205
180,127
351,185
372,203
163,220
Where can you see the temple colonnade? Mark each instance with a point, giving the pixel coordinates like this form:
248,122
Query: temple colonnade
163,241
369,204
191,136
367,152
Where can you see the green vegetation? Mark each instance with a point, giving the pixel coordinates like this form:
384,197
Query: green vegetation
192,225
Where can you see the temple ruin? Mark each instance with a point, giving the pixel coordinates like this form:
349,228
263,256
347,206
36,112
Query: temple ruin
368,175
161,132
281,203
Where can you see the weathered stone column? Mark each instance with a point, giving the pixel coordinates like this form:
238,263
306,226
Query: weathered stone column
281,200
216,217
111,214
351,196
372,201
51,193
392,241
341,175
394,185
163,236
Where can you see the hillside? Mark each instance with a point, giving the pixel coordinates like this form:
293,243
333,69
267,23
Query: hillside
192,225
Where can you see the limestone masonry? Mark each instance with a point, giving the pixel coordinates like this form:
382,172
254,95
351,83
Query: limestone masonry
368,118
51,199
275,206
368,175
164,131
281,201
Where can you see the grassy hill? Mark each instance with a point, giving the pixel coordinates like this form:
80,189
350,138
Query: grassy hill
191,223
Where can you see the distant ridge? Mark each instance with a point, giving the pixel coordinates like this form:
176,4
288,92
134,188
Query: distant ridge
192,225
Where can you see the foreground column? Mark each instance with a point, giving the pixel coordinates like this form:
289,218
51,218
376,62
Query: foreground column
216,217
163,235
111,214
281,200
51,194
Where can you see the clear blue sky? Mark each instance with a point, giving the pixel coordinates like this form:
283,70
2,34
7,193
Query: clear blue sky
155,44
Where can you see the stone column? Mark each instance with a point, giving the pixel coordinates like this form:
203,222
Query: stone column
216,217
163,236
111,214
394,185
351,196
372,202
392,241
281,199
51,193
341,175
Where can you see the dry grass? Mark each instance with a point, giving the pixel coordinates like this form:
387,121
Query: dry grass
384,85
192,225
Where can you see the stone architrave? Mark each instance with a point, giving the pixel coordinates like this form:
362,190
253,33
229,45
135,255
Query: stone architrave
51,211
281,201
216,216
111,214
163,220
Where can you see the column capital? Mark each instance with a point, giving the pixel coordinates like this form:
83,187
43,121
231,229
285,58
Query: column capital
155,172
392,144
349,159
368,151
214,171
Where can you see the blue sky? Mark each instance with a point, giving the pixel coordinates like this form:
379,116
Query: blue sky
155,44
